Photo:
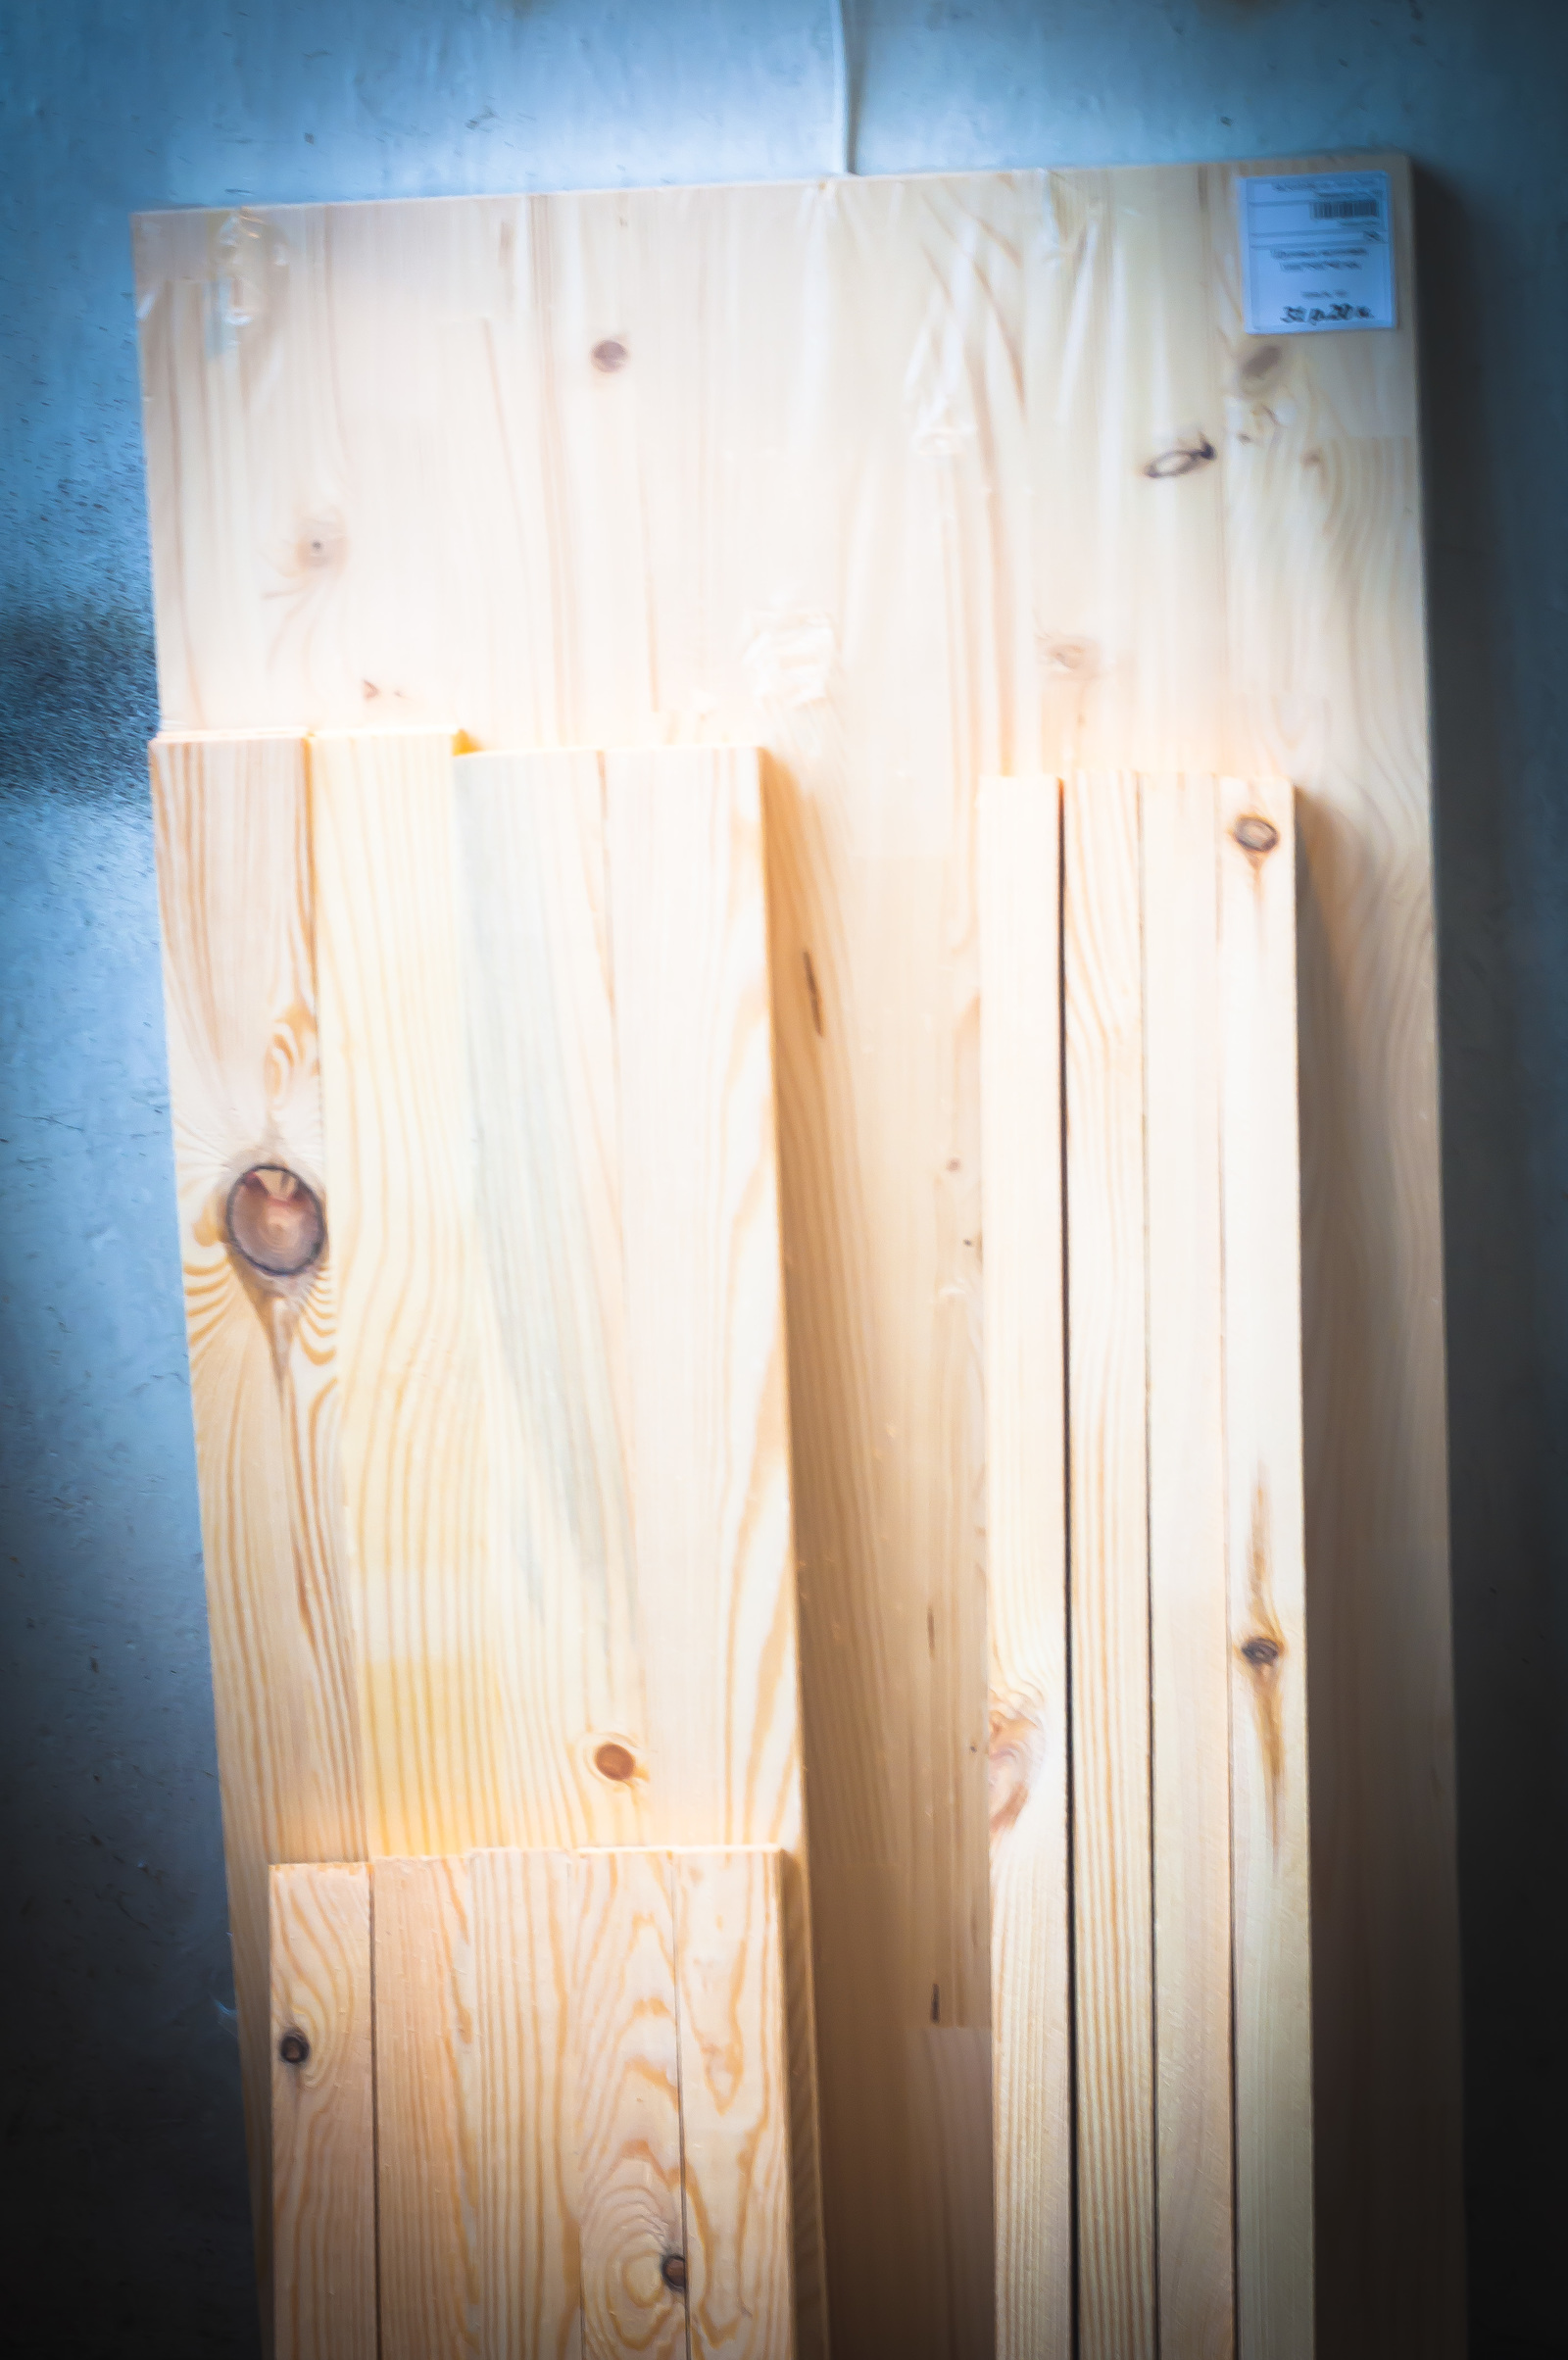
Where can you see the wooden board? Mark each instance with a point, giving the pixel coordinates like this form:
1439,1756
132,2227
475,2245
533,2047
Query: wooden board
497,1489
578,2144
907,482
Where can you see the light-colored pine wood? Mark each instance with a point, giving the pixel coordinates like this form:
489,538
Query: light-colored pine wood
530,2293
236,906
1272,1872
1021,1142
427,2072
324,2105
788,510
1189,1675
625,2070
734,2105
1103,1038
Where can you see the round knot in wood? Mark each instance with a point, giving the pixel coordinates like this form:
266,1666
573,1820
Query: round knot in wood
673,2269
1260,1652
293,2048
609,356
615,1761
1255,834
276,1223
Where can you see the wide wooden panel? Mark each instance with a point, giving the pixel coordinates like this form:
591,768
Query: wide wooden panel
1265,1554
626,2078
1108,1584
1020,1104
734,2105
428,2111
1190,1677
323,2115
236,906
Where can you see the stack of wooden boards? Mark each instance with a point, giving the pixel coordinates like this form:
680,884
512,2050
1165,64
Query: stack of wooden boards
908,483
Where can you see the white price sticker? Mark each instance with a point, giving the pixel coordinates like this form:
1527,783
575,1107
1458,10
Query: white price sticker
1317,252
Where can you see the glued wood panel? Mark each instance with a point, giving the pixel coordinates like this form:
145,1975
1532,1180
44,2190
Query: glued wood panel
860,472
323,2125
1272,1904
1020,1107
1189,1668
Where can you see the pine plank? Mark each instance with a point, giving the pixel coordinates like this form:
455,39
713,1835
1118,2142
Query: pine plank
437,1637
1189,1624
734,2104
540,1026
427,2111
323,2115
1326,638
625,2071
236,908
1272,1868
1021,1143
1108,1573
530,2293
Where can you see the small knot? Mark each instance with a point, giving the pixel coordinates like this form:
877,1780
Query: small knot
615,1761
673,2269
275,1222
1255,834
610,355
1182,459
1260,1652
293,2048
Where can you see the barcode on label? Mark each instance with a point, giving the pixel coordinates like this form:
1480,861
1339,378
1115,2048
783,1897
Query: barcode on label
1345,208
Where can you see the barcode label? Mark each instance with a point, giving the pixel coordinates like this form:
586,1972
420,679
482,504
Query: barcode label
1317,252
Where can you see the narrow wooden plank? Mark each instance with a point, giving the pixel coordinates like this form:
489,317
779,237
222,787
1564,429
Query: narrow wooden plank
427,2111
1108,1575
1266,1575
1327,634
1189,1645
323,2115
236,908
540,1028
436,1616
1020,1111
626,2098
734,2104
530,2291
704,1293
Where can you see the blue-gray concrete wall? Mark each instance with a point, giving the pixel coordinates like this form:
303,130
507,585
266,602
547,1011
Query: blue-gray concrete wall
120,2126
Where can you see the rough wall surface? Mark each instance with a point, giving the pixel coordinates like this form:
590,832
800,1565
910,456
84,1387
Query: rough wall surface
121,2131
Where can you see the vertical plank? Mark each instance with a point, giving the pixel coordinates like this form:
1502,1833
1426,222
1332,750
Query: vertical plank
530,2287
735,2104
705,1319
436,1630
1189,1647
1266,1575
541,1032
428,2109
1020,1154
625,2082
1108,1572
239,981
1326,625
323,2115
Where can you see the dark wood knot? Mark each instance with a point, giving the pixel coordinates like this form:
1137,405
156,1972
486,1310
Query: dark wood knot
616,1762
1183,458
293,2048
276,1223
1255,834
1260,1652
610,355
673,2269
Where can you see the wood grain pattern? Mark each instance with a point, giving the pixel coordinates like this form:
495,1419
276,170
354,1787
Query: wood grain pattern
1113,2000
530,2278
625,2068
1020,1105
236,901
1190,1673
1272,1902
428,2073
789,516
734,2105
323,2102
